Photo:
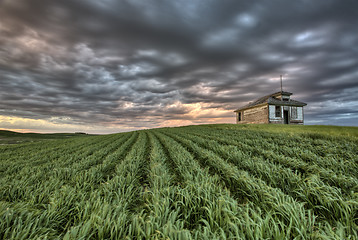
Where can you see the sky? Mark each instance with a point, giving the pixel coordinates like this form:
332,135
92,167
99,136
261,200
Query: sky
106,66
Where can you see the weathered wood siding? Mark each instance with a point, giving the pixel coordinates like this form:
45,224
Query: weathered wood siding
300,113
272,114
275,108
299,118
293,118
256,115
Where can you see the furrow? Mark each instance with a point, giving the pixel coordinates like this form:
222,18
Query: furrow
284,207
345,183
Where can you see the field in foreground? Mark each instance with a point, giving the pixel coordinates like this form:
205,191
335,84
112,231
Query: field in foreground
195,182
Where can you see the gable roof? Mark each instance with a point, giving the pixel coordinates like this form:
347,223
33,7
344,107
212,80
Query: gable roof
270,99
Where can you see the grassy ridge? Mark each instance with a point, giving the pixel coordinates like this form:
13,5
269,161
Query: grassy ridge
326,130
10,137
196,182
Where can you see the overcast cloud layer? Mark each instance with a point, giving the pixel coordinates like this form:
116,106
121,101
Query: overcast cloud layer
110,65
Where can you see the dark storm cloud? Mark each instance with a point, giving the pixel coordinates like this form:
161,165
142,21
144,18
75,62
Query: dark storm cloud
144,62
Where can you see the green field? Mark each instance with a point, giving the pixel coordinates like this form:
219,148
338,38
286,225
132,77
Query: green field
197,182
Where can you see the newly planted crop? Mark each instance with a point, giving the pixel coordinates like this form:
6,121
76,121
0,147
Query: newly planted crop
195,182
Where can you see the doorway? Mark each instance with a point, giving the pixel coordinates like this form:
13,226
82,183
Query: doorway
285,117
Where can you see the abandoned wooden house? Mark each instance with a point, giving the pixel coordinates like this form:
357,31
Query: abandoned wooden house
274,108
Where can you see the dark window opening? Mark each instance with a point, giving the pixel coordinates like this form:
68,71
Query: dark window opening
240,116
286,117
278,111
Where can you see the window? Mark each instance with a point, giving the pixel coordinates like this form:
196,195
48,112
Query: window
278,111
294,112
285,98
240,116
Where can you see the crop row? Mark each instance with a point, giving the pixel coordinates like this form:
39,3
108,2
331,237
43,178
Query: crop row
179,183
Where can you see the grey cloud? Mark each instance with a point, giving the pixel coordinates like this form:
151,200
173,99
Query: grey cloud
122,62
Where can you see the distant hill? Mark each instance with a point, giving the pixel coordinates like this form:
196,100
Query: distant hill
10,137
